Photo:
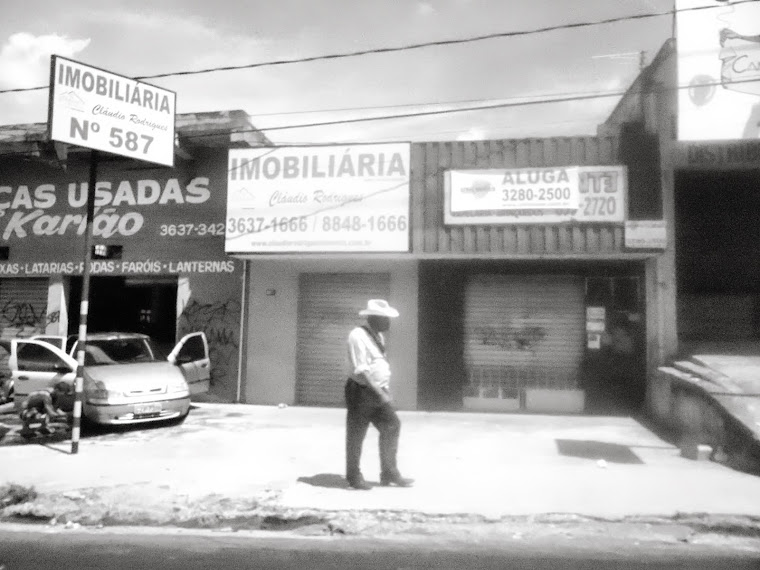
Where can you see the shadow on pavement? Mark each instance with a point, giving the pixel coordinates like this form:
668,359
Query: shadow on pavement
329,480
596,450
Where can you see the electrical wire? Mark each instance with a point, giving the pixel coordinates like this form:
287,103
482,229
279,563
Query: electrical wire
402,105
587,97
560,99
409,47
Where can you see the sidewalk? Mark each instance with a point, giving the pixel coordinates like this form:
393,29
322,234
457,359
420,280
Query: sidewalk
232,459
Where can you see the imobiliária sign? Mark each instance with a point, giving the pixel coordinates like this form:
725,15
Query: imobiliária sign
318,199
100,110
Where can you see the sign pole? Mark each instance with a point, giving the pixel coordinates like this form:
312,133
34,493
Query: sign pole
84,305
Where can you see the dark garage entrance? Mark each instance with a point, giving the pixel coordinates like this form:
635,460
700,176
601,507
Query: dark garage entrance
128,304
718,258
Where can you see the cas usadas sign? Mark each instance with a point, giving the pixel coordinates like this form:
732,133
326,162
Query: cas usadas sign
150,207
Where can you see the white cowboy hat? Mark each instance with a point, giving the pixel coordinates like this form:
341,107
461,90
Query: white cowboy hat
380,308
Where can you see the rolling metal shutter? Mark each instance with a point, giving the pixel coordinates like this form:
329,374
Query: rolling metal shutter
524,331
23,311
328,308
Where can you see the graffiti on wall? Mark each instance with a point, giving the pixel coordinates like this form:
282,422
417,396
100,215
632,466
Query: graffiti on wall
25,316
510,338
220,321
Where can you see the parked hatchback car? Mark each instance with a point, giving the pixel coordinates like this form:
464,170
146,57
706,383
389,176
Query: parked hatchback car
6,382
126,378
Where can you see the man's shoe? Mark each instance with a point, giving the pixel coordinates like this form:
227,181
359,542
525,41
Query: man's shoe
358,483
397,480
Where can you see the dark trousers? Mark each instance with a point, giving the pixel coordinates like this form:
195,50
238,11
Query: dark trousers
363,406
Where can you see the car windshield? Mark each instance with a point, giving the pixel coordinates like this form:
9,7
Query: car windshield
119,351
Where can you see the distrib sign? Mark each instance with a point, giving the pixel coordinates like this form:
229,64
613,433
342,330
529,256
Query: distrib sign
97,109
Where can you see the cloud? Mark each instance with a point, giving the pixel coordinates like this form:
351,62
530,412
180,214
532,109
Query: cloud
425,9
25,58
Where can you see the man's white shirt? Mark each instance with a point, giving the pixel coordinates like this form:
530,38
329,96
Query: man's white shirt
365,357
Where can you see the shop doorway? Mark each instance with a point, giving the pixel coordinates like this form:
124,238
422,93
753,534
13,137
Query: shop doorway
615,363
128,304
717,260
540,345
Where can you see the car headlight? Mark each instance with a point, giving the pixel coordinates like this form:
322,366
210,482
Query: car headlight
97,391
177,385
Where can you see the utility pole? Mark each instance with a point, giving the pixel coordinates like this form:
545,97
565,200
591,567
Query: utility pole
84,305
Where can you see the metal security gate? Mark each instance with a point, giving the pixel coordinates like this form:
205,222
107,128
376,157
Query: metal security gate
23,310
328,308
523,332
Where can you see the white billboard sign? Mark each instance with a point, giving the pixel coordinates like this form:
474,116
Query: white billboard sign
545,195
646,234
718,45
97,109
318,199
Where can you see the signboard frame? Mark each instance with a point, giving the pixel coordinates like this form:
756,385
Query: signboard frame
597,211
108,125
646,234
351,198
718,70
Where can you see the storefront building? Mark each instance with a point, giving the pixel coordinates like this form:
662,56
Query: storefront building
507,260
159,264
700,100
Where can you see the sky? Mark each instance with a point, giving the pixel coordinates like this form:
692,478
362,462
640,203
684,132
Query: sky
137,38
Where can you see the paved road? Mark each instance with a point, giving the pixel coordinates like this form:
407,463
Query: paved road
187,550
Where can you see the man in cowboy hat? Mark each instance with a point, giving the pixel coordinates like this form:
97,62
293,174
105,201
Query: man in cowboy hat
368,397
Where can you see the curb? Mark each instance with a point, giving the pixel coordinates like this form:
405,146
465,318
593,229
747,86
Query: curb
222,515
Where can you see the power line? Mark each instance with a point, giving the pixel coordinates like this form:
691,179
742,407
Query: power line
410,47
400,105
401,116
514,104
559,99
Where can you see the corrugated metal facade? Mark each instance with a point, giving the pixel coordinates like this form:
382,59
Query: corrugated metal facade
23,311
525,330
328,308
431,160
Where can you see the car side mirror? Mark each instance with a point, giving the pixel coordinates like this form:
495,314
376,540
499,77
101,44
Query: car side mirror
62,368
183,359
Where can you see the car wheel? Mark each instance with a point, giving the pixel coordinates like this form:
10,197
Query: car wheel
90,427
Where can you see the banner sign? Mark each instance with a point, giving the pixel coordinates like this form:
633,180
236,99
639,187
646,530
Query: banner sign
318,199
165,208
97,109
736,155
147,266
646,234
718,69
536,195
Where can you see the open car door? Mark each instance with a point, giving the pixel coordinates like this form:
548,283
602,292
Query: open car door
54,339
36,365
191,355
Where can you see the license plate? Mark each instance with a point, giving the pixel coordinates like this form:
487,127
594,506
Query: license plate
147,409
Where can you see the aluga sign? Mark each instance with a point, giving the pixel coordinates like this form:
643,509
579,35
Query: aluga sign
96,109
546,195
